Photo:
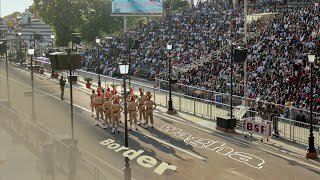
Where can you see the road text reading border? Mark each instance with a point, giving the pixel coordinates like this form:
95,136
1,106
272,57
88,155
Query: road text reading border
143,160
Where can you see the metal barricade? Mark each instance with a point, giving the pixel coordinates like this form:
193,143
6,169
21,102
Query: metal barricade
294,131
212,104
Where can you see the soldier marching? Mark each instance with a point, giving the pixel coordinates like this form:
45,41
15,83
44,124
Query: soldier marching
108,108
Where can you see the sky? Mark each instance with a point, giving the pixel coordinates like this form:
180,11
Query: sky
10,6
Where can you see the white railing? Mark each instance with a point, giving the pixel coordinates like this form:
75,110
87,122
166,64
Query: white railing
211,104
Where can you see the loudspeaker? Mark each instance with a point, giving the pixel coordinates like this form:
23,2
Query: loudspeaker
134,43
3,48
240,55
226,122
37,36
59,61
76,39
99,71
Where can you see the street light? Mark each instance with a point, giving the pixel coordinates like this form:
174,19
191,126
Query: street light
31,53
20,53
170,105
98,69
52,38
3,47
311,154
124,70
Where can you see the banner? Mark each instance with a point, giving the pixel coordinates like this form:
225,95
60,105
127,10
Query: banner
263,128
137,7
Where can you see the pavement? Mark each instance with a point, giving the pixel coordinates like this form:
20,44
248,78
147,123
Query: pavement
189,143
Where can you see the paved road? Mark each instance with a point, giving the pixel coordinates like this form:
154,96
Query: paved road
196,152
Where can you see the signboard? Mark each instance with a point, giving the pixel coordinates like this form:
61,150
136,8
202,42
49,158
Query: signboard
260,128
10,24
151,7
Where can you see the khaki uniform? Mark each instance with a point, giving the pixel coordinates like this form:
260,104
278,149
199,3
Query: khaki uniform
107,111
107,94
142,111
116,96
92,96
115,109
149,112
98,101
132,107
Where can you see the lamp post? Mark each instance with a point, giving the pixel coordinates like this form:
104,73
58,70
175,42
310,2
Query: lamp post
170,105
231,79
98,69
4,45
52,38
31,53
124,69
311,154
20,53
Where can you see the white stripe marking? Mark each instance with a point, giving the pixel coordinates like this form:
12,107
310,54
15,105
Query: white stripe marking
273,153
168,144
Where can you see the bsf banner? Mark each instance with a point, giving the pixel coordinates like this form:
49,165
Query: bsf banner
262,128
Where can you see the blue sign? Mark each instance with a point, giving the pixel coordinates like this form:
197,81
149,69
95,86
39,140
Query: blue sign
137,6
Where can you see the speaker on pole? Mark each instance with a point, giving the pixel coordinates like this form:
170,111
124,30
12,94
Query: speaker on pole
59,61
240,54
134,43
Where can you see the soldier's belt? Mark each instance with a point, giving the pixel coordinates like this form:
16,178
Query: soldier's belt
149,108
115,111
132,110
99,104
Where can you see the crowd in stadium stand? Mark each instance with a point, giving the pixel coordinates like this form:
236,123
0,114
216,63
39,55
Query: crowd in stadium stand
278,70
193,33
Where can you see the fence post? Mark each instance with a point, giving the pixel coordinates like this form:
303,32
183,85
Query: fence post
194,106
154,93
207,108
179,103
211,109
294,122
166,99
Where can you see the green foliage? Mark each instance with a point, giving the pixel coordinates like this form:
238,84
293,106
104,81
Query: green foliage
174,5
89,17
13,15
87,79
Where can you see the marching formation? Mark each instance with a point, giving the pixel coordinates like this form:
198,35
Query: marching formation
108,108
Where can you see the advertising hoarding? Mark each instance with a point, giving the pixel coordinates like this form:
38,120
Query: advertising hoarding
150,7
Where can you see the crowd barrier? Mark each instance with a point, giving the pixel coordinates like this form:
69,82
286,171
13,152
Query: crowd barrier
56,155
210,104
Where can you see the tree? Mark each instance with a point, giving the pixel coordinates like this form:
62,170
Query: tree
96,20
13,15
62,15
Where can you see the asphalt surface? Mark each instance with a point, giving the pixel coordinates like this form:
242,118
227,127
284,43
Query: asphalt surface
192,149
